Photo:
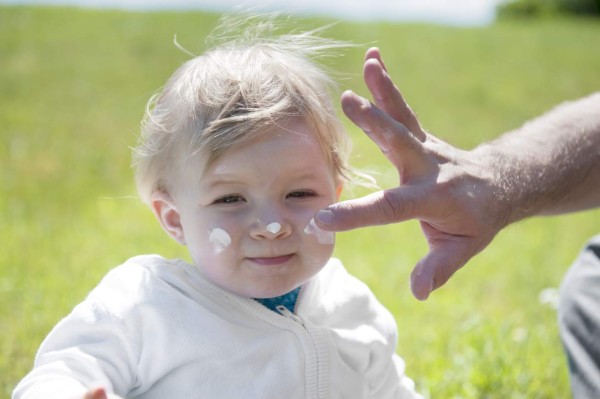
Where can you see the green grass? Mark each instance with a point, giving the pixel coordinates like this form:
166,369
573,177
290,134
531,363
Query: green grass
73,87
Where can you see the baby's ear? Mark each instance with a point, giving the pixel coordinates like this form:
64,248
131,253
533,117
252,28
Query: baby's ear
338,191
166,212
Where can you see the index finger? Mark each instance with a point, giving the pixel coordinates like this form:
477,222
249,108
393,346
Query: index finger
382,207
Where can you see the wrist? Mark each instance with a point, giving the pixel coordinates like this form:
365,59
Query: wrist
513,191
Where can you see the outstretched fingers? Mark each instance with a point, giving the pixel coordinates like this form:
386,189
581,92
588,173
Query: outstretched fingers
407,153
392,137
386,94
374,53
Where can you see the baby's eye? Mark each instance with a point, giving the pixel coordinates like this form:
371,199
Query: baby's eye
302,194
229,199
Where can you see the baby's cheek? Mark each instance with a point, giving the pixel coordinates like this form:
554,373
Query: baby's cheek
225,232
322,236
219,240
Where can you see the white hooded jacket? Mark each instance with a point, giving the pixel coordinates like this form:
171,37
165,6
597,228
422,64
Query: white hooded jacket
156,328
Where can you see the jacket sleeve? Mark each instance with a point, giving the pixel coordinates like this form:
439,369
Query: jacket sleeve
365,334
386,378
391,382
89,348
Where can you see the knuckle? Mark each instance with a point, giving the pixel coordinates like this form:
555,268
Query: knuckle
391,208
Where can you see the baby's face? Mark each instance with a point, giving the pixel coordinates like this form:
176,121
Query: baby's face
245,219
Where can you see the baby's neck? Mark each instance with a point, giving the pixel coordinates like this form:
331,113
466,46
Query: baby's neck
288,300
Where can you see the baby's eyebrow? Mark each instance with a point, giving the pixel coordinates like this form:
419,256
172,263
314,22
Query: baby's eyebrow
222,181
306,176
224,178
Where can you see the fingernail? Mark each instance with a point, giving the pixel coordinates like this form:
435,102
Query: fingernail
365,103
356,99
325,216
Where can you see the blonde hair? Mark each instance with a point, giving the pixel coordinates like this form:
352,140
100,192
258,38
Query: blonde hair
232,94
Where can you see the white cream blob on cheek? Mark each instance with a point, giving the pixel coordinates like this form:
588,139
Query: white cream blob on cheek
323,237
219,239
273,228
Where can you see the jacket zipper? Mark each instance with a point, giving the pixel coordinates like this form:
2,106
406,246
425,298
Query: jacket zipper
286,313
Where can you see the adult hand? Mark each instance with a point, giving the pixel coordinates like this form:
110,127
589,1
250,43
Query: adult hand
451,192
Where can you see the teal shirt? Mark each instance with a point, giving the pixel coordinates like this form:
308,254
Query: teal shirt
288,300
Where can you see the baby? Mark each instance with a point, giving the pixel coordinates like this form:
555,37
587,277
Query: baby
237,153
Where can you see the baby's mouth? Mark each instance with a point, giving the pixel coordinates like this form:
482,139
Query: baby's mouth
271,260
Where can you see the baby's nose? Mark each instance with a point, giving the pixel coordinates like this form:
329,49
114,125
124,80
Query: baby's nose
271,230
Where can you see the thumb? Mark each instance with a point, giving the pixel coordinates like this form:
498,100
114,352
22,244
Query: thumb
436,268
382,207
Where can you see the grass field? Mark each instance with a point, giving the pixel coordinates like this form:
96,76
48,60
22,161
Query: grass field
73,87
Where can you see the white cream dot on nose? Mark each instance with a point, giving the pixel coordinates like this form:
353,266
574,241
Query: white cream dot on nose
273,228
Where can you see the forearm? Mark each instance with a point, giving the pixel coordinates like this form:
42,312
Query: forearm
550,165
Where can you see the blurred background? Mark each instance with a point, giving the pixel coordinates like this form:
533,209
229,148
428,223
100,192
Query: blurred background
75,77
456,12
